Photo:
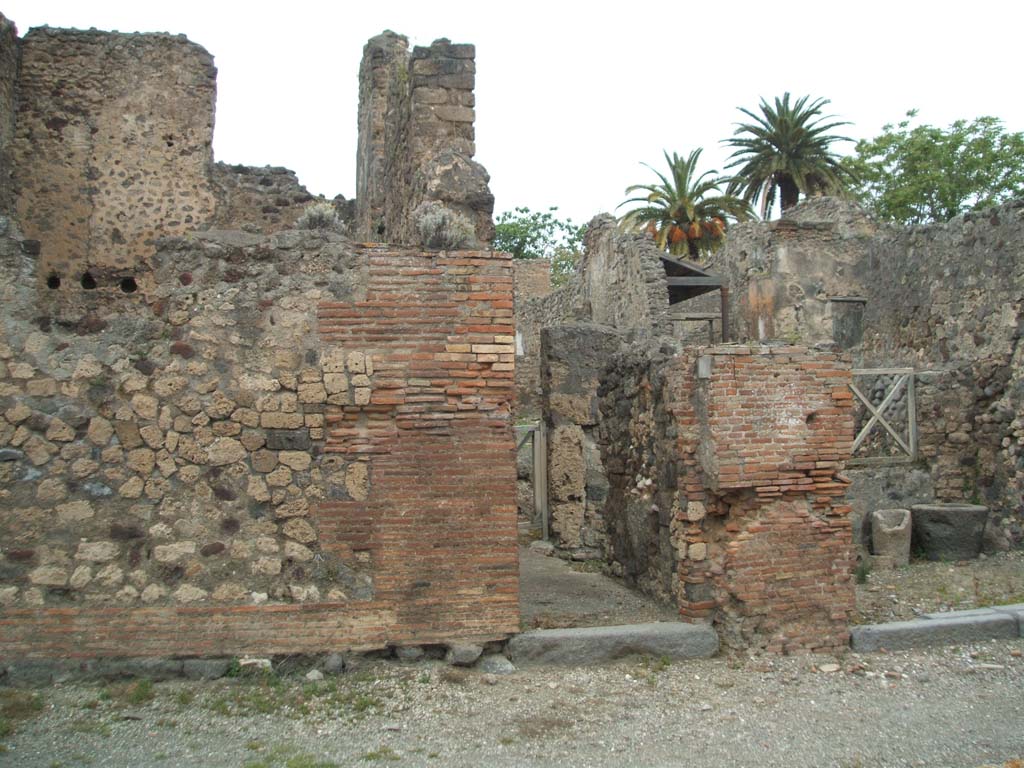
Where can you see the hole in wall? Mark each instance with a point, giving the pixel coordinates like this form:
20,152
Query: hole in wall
88,281
53,282
810,418
128,285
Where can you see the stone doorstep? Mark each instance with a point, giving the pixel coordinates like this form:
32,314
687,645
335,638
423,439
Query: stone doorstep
595,645
1004,622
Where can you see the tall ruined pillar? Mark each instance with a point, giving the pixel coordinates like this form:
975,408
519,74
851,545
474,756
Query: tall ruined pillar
8,78
416,140
384,67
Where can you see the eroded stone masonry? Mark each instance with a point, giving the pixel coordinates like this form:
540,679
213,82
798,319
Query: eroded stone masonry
220,435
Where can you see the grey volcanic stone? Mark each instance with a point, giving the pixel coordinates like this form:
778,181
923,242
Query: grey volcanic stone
1016,611
593,645
205,669
334,664
496,664
944,629
409,653
463,655
949,531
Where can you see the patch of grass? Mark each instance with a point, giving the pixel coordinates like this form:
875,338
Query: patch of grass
185,698
88,726
308,761
20,705
381,754
17,705
140,692
587,566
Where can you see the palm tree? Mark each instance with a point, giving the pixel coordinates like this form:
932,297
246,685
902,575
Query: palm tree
786,152
685,213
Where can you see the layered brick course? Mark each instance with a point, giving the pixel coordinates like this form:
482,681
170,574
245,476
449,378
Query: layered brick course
308,449
764,540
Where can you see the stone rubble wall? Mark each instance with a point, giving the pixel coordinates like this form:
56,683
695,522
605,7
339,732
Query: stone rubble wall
765,546
252,453
259,199
112,146
944,299
709,477
416,139
619,283
8,83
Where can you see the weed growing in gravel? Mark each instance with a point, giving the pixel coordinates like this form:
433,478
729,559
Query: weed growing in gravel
17,705
382,753
286,756
89,726
862,571
140,692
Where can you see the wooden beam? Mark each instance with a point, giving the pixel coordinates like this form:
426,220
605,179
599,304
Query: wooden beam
688,282
725,314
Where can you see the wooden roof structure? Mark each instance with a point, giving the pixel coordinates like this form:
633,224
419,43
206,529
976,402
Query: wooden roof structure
687,280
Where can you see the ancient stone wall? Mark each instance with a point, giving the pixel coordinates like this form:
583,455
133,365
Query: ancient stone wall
112,147
8,81
261,199
574,359
944,299
416,139
252,454
619,282
765,545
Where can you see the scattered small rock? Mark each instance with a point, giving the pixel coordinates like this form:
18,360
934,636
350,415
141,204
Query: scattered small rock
829,668
496,664
314,675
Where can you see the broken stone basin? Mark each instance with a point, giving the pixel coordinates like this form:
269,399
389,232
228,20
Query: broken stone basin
890,536
949,531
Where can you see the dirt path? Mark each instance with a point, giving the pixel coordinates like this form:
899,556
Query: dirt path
948,707
555,593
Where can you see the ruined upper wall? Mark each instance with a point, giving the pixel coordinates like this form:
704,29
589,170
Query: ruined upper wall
416,139
8,78
112,145
619,282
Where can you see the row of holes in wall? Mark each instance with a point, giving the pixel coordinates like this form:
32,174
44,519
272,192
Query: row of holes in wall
126,284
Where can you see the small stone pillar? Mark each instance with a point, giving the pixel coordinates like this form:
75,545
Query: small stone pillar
890,537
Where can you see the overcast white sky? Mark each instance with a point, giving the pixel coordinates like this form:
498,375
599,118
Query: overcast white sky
571,98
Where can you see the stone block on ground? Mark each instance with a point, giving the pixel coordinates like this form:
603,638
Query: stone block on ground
943,629
463,655
594,645
495,664
949,531
1016,611
205,669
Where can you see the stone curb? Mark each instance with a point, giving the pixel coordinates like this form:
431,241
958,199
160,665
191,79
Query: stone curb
1002,622
594,645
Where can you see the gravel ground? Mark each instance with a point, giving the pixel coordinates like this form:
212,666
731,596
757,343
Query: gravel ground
925,587
957,706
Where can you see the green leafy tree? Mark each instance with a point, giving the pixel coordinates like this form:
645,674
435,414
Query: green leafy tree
920,174
530,234
685,213
785,152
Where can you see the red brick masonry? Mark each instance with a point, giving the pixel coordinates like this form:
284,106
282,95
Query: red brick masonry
438,524
765,542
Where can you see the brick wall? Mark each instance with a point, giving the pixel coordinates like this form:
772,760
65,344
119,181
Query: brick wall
286,444
763,534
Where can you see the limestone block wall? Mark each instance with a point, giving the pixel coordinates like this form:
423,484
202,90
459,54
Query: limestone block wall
256,454
8,80
416,139
112,146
